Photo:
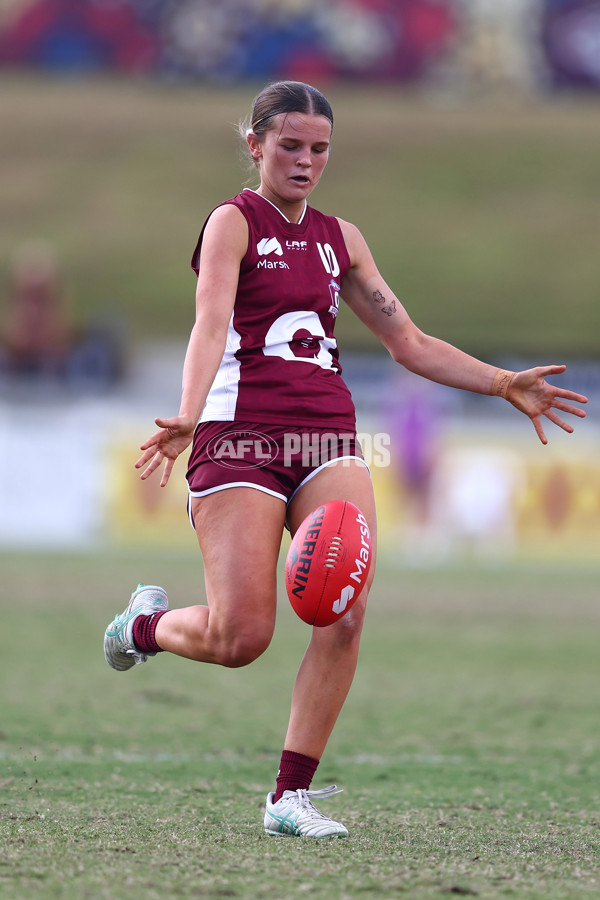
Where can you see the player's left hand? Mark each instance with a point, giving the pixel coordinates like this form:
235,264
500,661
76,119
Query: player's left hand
530,393
165,446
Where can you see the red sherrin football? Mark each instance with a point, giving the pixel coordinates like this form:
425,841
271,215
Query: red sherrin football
328,562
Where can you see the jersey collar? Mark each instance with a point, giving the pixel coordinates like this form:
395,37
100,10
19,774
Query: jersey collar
300,220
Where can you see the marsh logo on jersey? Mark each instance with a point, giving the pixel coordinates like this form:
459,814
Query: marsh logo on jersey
267,246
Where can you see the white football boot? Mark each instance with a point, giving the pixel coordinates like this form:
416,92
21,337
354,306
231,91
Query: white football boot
119,649
294,815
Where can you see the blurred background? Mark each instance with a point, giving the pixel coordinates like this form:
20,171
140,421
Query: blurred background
466,148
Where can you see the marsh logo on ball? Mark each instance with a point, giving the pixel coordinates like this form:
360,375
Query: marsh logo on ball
347,594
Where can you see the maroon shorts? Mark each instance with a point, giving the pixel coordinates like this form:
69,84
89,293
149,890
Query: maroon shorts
276,459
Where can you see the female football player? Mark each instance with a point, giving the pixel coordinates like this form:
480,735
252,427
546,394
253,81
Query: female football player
261,371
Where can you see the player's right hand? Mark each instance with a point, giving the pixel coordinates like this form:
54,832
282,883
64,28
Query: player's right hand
174,436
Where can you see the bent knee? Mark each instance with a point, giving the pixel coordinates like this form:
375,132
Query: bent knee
348,629
344,635
240,650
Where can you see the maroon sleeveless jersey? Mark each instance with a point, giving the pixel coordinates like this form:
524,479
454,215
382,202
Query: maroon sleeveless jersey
281,359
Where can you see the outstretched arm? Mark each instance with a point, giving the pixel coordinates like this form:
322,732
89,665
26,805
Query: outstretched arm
365,291
223,247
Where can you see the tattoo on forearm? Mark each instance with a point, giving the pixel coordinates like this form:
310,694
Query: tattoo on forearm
379,298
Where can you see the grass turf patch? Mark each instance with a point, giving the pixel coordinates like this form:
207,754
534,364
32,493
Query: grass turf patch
468,748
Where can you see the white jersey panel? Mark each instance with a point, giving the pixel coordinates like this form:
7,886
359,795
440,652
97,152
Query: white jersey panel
299,336
222,397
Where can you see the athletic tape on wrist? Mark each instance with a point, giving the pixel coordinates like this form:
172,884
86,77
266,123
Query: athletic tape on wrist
502,382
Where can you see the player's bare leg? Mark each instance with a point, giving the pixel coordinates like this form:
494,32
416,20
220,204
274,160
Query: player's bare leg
325,674
329,664
240,553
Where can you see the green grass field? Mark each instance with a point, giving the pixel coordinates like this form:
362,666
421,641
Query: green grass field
468,749
484,219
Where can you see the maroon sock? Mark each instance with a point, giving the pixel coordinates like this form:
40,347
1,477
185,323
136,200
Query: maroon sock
144,628
295,771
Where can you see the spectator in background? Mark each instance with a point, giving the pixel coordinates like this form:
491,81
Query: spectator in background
498,46
39,341
36,333
415,421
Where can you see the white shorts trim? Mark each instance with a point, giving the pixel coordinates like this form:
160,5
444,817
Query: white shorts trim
225,487
330,462
265,490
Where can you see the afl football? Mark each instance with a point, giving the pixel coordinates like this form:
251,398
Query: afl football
328,562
